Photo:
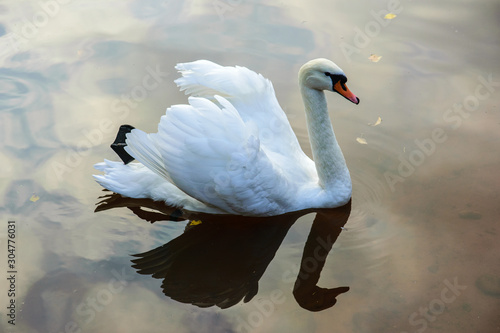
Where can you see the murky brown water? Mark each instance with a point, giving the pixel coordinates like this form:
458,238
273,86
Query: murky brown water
419,250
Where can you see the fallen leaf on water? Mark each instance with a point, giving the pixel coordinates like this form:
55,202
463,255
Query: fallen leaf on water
362,141
34,198
390,16
379,120
195,222
374,58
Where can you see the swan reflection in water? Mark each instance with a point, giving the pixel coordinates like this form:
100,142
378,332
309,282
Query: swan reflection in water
219,259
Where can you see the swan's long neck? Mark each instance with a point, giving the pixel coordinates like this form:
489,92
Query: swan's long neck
330,163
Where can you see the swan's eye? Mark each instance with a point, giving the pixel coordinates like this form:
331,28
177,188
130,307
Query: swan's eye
328,74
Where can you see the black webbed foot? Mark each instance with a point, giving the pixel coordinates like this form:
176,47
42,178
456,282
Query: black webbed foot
119,144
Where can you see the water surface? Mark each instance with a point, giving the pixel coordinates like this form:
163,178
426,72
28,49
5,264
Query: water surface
418,248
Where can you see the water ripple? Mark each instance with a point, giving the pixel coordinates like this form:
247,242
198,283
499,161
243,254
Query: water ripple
26,116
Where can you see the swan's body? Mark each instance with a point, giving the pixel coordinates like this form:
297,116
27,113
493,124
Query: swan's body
232,150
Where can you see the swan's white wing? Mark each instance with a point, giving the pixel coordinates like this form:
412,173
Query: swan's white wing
253,97
212,155
142,148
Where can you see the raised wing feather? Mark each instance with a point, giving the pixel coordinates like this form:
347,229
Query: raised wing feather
212,155
253,97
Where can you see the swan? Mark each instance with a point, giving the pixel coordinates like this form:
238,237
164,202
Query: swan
231,150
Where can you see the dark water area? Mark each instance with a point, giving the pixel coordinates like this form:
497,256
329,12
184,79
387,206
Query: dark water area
417,250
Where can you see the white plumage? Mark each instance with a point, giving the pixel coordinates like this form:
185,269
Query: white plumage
232,149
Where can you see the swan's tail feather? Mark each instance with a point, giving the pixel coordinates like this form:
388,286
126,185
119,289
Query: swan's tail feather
134,180
142,147
203,78
125,179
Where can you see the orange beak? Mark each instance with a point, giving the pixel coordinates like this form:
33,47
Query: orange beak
342,89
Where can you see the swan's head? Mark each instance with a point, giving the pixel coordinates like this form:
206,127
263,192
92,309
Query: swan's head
323,74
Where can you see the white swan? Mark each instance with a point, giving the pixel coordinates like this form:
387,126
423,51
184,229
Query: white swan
232,150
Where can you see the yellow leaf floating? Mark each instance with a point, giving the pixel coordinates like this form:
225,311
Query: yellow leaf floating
374,58
379,120
362,141
34,198
195,222
390,16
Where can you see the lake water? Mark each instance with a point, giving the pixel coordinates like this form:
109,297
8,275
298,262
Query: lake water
418,248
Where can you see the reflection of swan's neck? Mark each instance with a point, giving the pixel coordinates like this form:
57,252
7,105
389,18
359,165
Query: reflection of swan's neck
330,163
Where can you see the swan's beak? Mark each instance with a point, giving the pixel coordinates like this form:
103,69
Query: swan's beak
342,89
